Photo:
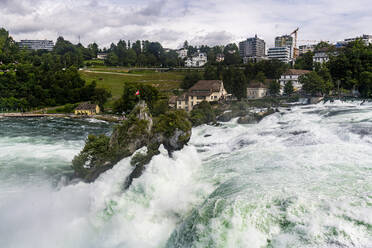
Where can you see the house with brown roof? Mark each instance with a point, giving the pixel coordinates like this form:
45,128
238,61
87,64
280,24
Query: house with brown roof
172,101
293,76
87,109
203,90
256,90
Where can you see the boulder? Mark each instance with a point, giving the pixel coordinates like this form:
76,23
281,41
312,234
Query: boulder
226,116
248,119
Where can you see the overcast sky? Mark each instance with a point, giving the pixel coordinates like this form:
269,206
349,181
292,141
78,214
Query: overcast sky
211,22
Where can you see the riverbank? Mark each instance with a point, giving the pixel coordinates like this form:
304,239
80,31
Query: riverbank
109,118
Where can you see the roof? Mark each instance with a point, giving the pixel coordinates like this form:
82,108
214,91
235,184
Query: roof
182,97
207,85
173,99
256,84
86,106
296,72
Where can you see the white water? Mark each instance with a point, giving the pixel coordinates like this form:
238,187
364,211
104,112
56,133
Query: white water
300,178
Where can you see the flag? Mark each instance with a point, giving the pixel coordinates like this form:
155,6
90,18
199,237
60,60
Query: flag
137,93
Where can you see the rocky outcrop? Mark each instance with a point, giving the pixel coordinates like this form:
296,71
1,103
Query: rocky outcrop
248,119
253,118
226,116
140,129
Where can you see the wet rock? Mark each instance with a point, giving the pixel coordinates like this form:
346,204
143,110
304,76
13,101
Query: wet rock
248,119
225,117
298,132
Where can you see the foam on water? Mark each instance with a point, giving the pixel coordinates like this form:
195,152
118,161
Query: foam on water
299,178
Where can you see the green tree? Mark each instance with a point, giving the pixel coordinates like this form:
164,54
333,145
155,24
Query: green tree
274,88
288,88
348,64
100,97
305,61
210,73
131,57
190,79
235,82
366,87
129,98
232,56
260,77
112,59
93,48
312,83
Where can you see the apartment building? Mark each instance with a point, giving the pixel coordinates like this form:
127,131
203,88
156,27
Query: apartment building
37,44
280,53
252,49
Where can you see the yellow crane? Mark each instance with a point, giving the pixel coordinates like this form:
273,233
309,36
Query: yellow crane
296,52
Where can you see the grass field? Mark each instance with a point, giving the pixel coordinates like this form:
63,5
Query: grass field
113,79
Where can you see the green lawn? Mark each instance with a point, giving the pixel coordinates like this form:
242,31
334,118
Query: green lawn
113,79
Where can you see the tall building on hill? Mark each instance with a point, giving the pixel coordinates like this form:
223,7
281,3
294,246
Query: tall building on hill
367,39
306,48
285,41
252,49
280,53
37,44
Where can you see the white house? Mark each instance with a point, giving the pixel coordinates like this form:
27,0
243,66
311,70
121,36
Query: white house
321,56
293,76
199,60
101,56
182,53
256,90
220,57
203,90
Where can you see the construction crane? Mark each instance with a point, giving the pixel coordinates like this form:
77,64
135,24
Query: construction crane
296,52
314,41
295,33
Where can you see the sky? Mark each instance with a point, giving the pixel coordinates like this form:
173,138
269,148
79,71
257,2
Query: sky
171,22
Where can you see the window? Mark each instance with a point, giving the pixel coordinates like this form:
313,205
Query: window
201,97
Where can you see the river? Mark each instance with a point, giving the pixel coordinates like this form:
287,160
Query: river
299,178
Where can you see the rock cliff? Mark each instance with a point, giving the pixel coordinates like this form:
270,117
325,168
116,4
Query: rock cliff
140,129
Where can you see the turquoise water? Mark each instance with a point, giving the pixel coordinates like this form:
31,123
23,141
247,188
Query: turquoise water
299,178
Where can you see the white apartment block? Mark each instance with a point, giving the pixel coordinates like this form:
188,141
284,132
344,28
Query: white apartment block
292,75
367,39
37,44
280,53
306,48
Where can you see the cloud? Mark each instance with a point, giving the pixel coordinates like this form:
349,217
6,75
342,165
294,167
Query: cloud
171,22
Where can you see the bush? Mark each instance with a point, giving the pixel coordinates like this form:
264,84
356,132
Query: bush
202,113
168,123
129,98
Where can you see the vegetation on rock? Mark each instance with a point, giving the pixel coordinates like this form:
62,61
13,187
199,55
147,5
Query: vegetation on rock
202,113
140,129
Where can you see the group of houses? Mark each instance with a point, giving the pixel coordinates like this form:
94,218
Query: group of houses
203,90
214,91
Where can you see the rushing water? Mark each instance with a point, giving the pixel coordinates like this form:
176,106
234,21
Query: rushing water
299,178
